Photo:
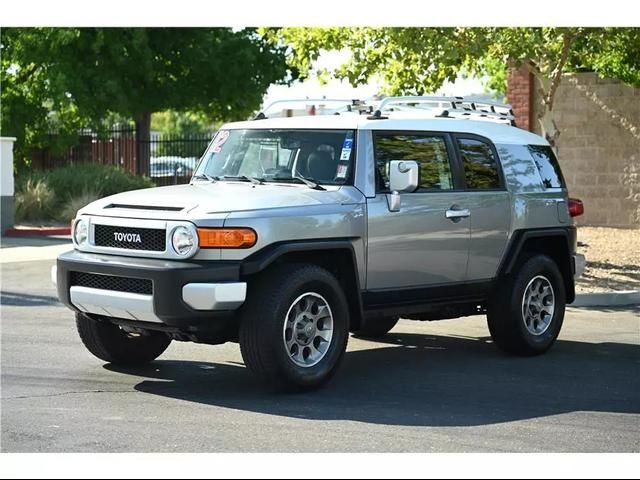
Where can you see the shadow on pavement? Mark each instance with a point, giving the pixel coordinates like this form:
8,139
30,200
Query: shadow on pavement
630,308
34,241
418,380
15,299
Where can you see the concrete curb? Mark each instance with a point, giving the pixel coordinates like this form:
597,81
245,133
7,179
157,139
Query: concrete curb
607,299
37,231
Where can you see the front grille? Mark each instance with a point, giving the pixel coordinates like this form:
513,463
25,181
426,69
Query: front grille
130,238
110,282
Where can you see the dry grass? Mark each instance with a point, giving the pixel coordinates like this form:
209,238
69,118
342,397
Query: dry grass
613,259
34,201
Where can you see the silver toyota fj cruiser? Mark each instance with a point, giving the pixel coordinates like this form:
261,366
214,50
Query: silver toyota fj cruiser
296,231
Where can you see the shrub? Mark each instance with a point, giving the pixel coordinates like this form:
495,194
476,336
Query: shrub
69,187
35,201
103,179
73,204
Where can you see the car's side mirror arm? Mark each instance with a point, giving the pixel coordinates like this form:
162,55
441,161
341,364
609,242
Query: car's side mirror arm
394,201
404,177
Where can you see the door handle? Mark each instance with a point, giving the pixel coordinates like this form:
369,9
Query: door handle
455,214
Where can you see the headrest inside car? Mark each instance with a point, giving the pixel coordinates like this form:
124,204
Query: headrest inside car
321,166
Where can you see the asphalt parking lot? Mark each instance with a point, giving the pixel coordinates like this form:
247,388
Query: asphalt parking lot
438,386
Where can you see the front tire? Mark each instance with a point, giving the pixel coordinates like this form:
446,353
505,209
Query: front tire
110,343
526,312
294,327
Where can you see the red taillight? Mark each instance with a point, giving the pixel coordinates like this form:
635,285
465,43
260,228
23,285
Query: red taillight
576,207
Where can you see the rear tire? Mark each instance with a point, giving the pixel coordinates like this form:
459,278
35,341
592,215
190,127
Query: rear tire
526,312
110,343
294,327
377,327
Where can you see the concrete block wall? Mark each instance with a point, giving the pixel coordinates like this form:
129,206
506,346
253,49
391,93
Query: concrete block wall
598,148
600,156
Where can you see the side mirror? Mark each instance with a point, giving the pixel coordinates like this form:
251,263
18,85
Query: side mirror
404,176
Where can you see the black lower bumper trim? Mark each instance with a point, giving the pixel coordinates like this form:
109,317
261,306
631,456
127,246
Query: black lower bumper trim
168,277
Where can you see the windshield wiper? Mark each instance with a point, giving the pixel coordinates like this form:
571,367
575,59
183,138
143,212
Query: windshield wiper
243,178
205,176
309,182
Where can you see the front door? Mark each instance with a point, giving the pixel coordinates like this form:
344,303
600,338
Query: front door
426,243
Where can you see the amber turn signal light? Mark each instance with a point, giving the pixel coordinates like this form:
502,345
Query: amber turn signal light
227,237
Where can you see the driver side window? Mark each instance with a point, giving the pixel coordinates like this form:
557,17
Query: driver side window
430,151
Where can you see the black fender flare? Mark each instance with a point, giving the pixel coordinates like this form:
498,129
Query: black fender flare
263,258
521,237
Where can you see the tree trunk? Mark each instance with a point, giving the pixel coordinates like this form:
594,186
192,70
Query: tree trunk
549,83
548,127
543,104
143,143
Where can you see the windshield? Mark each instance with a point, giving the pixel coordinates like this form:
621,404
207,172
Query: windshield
323,156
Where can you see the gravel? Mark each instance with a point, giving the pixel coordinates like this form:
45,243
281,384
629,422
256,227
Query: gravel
613,259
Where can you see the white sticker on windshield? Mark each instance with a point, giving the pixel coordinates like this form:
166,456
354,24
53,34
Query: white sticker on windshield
346,154
342,171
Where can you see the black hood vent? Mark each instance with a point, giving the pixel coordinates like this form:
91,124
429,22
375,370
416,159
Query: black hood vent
145,207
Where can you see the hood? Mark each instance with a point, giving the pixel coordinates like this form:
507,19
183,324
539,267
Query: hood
203,199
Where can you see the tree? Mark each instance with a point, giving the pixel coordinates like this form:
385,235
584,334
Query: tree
192,129
64,78
420,60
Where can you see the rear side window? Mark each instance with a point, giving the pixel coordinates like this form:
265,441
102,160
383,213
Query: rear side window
480,165
548,166
430,151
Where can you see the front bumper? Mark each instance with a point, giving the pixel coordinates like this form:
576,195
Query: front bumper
184,294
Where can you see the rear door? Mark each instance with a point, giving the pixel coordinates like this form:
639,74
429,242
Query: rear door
418,246
488,202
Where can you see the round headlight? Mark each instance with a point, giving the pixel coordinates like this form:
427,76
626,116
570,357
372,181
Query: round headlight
81,232
183,241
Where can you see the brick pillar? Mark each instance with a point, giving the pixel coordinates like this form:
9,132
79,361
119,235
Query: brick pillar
520,96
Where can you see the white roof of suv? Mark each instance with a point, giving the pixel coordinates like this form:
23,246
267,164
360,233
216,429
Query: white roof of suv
498,133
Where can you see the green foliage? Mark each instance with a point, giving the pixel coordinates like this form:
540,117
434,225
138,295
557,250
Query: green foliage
494,76
65,78
409,60
611,52
53,194
420,60
182,123
103,179
73,204
194,131
34,201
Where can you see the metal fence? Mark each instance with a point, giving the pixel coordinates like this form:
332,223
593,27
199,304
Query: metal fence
166,159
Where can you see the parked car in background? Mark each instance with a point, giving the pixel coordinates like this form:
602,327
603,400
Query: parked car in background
170,166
